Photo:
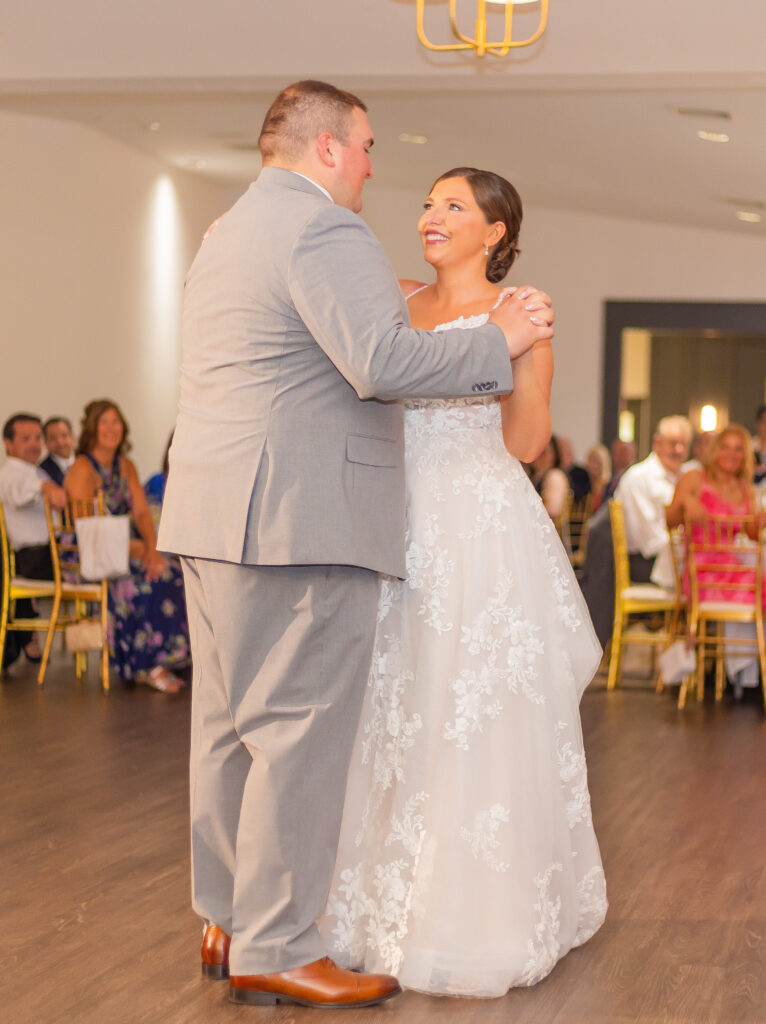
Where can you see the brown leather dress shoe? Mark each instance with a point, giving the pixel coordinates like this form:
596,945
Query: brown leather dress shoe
321,983
215,953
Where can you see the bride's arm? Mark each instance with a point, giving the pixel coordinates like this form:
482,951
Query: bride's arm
525,413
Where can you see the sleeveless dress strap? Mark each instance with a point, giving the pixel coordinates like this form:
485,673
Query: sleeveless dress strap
107,475
95,464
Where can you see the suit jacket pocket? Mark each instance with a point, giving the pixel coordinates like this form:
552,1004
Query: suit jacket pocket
372,451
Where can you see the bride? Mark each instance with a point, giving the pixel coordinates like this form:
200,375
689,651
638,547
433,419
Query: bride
468,862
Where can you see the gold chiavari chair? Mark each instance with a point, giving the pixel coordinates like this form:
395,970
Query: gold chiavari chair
578,515
78,593
17,588
633,599
678,560
725,559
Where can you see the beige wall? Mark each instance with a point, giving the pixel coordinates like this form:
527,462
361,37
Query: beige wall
96,238
582,260
95,241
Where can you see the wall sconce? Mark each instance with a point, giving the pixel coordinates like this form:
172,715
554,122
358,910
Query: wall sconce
708,418
479,43
626,426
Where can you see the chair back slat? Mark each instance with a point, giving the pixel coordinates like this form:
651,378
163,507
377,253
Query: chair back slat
62,533
725,557
619,545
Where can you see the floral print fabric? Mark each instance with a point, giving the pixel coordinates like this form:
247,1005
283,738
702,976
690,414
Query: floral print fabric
147,619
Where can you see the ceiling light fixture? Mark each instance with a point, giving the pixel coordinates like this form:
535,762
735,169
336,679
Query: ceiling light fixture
153,126
749,216
417,140
708,418
480,44
712,136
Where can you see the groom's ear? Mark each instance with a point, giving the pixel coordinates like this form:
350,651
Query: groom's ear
325,148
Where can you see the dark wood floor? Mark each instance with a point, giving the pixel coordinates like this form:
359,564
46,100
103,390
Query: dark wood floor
94,872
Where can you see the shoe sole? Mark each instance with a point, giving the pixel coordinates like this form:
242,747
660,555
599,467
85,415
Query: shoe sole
215,972
252,997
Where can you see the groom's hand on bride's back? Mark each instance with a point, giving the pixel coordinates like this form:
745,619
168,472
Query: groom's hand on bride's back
525,317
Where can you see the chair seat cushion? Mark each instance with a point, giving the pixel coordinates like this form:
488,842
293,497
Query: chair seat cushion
23,583
648,592
727,608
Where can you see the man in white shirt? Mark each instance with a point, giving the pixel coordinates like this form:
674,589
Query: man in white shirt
22,489
59,441
646,488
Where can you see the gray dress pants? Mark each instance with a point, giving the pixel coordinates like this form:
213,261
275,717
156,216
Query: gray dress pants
281,659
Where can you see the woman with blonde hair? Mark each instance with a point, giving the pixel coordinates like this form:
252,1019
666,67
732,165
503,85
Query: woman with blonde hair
598,462
147,612
723,487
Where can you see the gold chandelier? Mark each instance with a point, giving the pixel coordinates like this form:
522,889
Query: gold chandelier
479,43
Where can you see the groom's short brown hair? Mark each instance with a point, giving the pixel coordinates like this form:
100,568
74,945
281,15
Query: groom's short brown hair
300,113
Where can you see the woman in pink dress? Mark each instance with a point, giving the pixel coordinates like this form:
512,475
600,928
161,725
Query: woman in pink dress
722,488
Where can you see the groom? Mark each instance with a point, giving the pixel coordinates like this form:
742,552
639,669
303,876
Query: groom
286,499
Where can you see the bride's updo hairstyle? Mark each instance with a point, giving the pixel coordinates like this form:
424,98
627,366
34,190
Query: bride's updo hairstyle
498,200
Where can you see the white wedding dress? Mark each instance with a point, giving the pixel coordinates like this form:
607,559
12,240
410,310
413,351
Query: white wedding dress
468,862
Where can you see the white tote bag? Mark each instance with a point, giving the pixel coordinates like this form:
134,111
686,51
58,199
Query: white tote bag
677,662
104,543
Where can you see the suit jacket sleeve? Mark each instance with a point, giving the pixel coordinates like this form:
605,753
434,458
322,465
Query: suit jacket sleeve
345,291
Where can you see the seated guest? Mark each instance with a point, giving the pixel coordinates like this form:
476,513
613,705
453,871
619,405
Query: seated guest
623,455
154,488
599,467
59,441
700,448
147,611
579,481
22,489
550,481
759,444
645,489
722,487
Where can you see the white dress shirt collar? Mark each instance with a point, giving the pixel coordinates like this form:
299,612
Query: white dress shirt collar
316,183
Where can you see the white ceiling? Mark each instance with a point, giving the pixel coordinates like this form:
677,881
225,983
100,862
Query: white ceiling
585,120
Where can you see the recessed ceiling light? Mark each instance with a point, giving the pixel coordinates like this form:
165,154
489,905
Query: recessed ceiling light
712,136
746,204
724,115
749,216
153,126
417,140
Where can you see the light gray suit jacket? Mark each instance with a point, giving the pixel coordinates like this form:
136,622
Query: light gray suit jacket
288,448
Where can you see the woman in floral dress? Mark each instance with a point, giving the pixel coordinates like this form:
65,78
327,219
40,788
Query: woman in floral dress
148,632
468,862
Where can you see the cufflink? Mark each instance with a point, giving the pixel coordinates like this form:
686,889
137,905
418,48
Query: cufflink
487,385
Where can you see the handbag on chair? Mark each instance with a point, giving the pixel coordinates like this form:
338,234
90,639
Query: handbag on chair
85,635
104,545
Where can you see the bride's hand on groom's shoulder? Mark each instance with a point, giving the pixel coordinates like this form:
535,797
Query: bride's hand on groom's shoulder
525,316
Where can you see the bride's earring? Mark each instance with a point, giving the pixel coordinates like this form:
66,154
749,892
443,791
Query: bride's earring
486,249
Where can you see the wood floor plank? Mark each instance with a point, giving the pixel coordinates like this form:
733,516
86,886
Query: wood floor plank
94,879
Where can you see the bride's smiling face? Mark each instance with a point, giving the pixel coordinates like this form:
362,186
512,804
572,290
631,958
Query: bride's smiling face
453,227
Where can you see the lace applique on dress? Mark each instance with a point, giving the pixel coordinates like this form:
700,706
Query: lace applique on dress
470,738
